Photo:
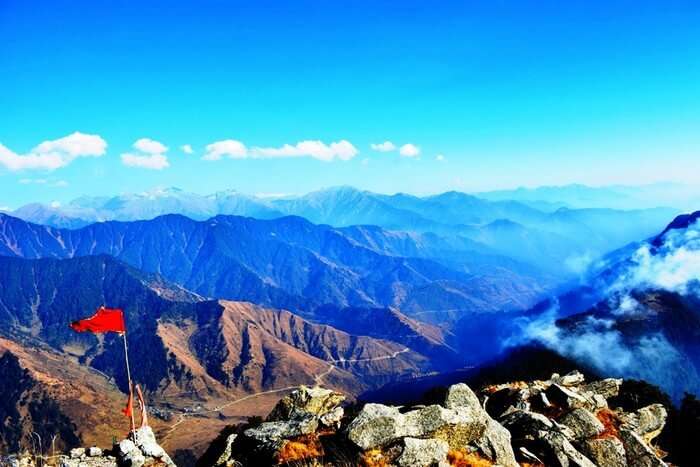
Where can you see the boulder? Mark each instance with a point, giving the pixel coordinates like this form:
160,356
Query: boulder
226,457
605,452
561,452
304,401
651,420
522,423
573,378
582,423
423,452
460,395
569,398
77,453
333,418
639,453
609,387
495,444
94,452
376,425
270,432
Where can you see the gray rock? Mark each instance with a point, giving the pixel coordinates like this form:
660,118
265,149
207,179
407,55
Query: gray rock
570,379
333,418
133,459
125,447
522,423
651,420
563,453
423,452
609,387
269,432
605,452
77,453
375,425
569,398
582,423
304,401
495,444
226,455
639,453
94,452
460,395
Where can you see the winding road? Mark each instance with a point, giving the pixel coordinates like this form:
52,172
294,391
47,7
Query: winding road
318,380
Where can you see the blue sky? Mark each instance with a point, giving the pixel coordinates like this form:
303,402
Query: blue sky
507,94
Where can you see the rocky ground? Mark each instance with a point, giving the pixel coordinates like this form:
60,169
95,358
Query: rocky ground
563,421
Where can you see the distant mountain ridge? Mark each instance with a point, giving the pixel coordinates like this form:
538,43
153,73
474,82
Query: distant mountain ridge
286,263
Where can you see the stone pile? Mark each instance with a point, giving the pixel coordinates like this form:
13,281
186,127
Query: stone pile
563,422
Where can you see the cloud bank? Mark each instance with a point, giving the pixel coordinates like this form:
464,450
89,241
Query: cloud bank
54,154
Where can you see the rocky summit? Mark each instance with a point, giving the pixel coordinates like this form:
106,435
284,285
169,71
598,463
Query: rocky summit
563,421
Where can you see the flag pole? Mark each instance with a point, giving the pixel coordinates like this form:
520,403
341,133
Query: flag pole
128,376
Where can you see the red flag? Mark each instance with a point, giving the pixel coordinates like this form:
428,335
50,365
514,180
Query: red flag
128,410
104,320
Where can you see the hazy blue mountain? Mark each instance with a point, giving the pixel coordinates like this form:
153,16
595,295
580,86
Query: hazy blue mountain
287,262
677,195
473,231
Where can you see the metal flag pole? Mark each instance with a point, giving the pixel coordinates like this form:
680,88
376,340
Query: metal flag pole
131,390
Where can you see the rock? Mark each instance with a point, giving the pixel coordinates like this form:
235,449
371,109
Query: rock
570,379
378,425
269,432
145,440
333,418
569,398
609,387
639,453
225,458
375,425
495,444
562,452
133,459
522,423
651,420
605,452
94,452
582,423
460,395
77,453
423,452
125,447
306,401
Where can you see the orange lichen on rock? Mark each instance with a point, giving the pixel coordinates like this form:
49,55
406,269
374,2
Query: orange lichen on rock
303,447
611,422
462,458
374,458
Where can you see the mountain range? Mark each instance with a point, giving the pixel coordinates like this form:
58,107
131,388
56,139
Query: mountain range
558,241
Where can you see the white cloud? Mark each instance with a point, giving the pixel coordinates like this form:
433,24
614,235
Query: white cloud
61,184
54,154
150,161
440,158
187,149
43,181
409,150
227,148
5,208
150,146
343,150
55,204
152,155
386,146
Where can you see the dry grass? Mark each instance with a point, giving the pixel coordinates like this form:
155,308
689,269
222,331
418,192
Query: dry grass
374,458
461,458
303,447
